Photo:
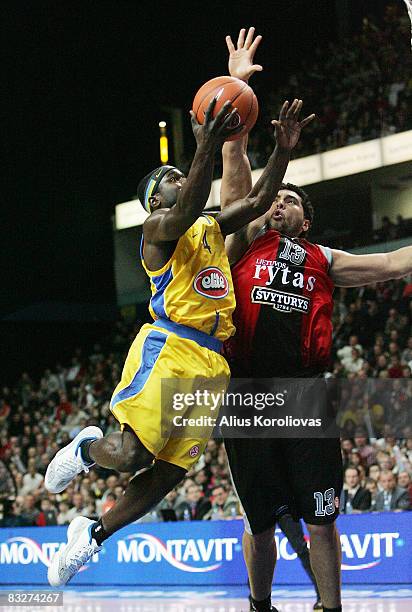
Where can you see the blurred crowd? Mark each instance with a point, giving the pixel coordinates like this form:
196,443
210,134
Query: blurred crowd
372,362
393,231
372,346
360,88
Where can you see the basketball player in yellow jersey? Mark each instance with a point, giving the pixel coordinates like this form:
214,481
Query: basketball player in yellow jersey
192,303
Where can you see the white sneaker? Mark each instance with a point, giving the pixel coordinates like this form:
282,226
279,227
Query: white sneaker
79,550
68,461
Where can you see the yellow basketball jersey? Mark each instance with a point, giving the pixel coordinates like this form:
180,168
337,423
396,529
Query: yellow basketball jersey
194,287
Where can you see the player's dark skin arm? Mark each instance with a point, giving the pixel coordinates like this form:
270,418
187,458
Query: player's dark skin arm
165,225
260,198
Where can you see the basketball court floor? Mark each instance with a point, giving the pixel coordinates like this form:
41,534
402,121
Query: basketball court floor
219,599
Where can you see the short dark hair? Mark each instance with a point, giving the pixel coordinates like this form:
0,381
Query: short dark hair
219,486
306,203
195,485
352,467
374,465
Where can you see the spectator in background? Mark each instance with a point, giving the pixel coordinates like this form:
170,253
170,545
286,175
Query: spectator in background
43,463
402,229
4,411
354,498
355,458
16,460
78,507
112,482
47,515
372,487
202,480
346,351
29,511
64,409
73,374
16,424
18,482
171,502
395,368
90,510
405,481
381,366
399,414
385,461
63,517
224,504
32,481
7,488
362,475
393,347
366,451
392,497
12,513
98,487
73,422
373,322
393,322
408,448
374,472
195,506
346,447
406,356
354,363
387,231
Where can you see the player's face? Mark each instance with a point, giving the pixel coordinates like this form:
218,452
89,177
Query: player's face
286,214
170,187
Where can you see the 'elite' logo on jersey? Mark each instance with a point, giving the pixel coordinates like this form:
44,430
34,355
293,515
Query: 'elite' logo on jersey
211,283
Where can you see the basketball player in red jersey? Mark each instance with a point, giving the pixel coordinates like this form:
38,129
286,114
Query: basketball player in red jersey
284,285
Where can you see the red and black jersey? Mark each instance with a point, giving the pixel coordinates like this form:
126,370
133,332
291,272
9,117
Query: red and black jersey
283,309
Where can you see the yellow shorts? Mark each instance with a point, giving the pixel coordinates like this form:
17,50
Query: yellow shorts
159,365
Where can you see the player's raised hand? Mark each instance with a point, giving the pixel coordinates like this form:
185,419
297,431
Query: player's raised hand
288,127
215,130
241,57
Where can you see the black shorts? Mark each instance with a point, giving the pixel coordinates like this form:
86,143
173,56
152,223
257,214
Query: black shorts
303,477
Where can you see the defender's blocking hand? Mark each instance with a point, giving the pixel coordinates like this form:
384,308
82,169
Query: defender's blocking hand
288,127
241,57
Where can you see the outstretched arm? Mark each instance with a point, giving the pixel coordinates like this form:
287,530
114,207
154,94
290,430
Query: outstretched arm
237,177
261,196
349,270
168,224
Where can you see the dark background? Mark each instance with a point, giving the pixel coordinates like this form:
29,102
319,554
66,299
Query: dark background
84,84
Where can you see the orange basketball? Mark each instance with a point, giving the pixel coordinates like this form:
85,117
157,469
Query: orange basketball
226,88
